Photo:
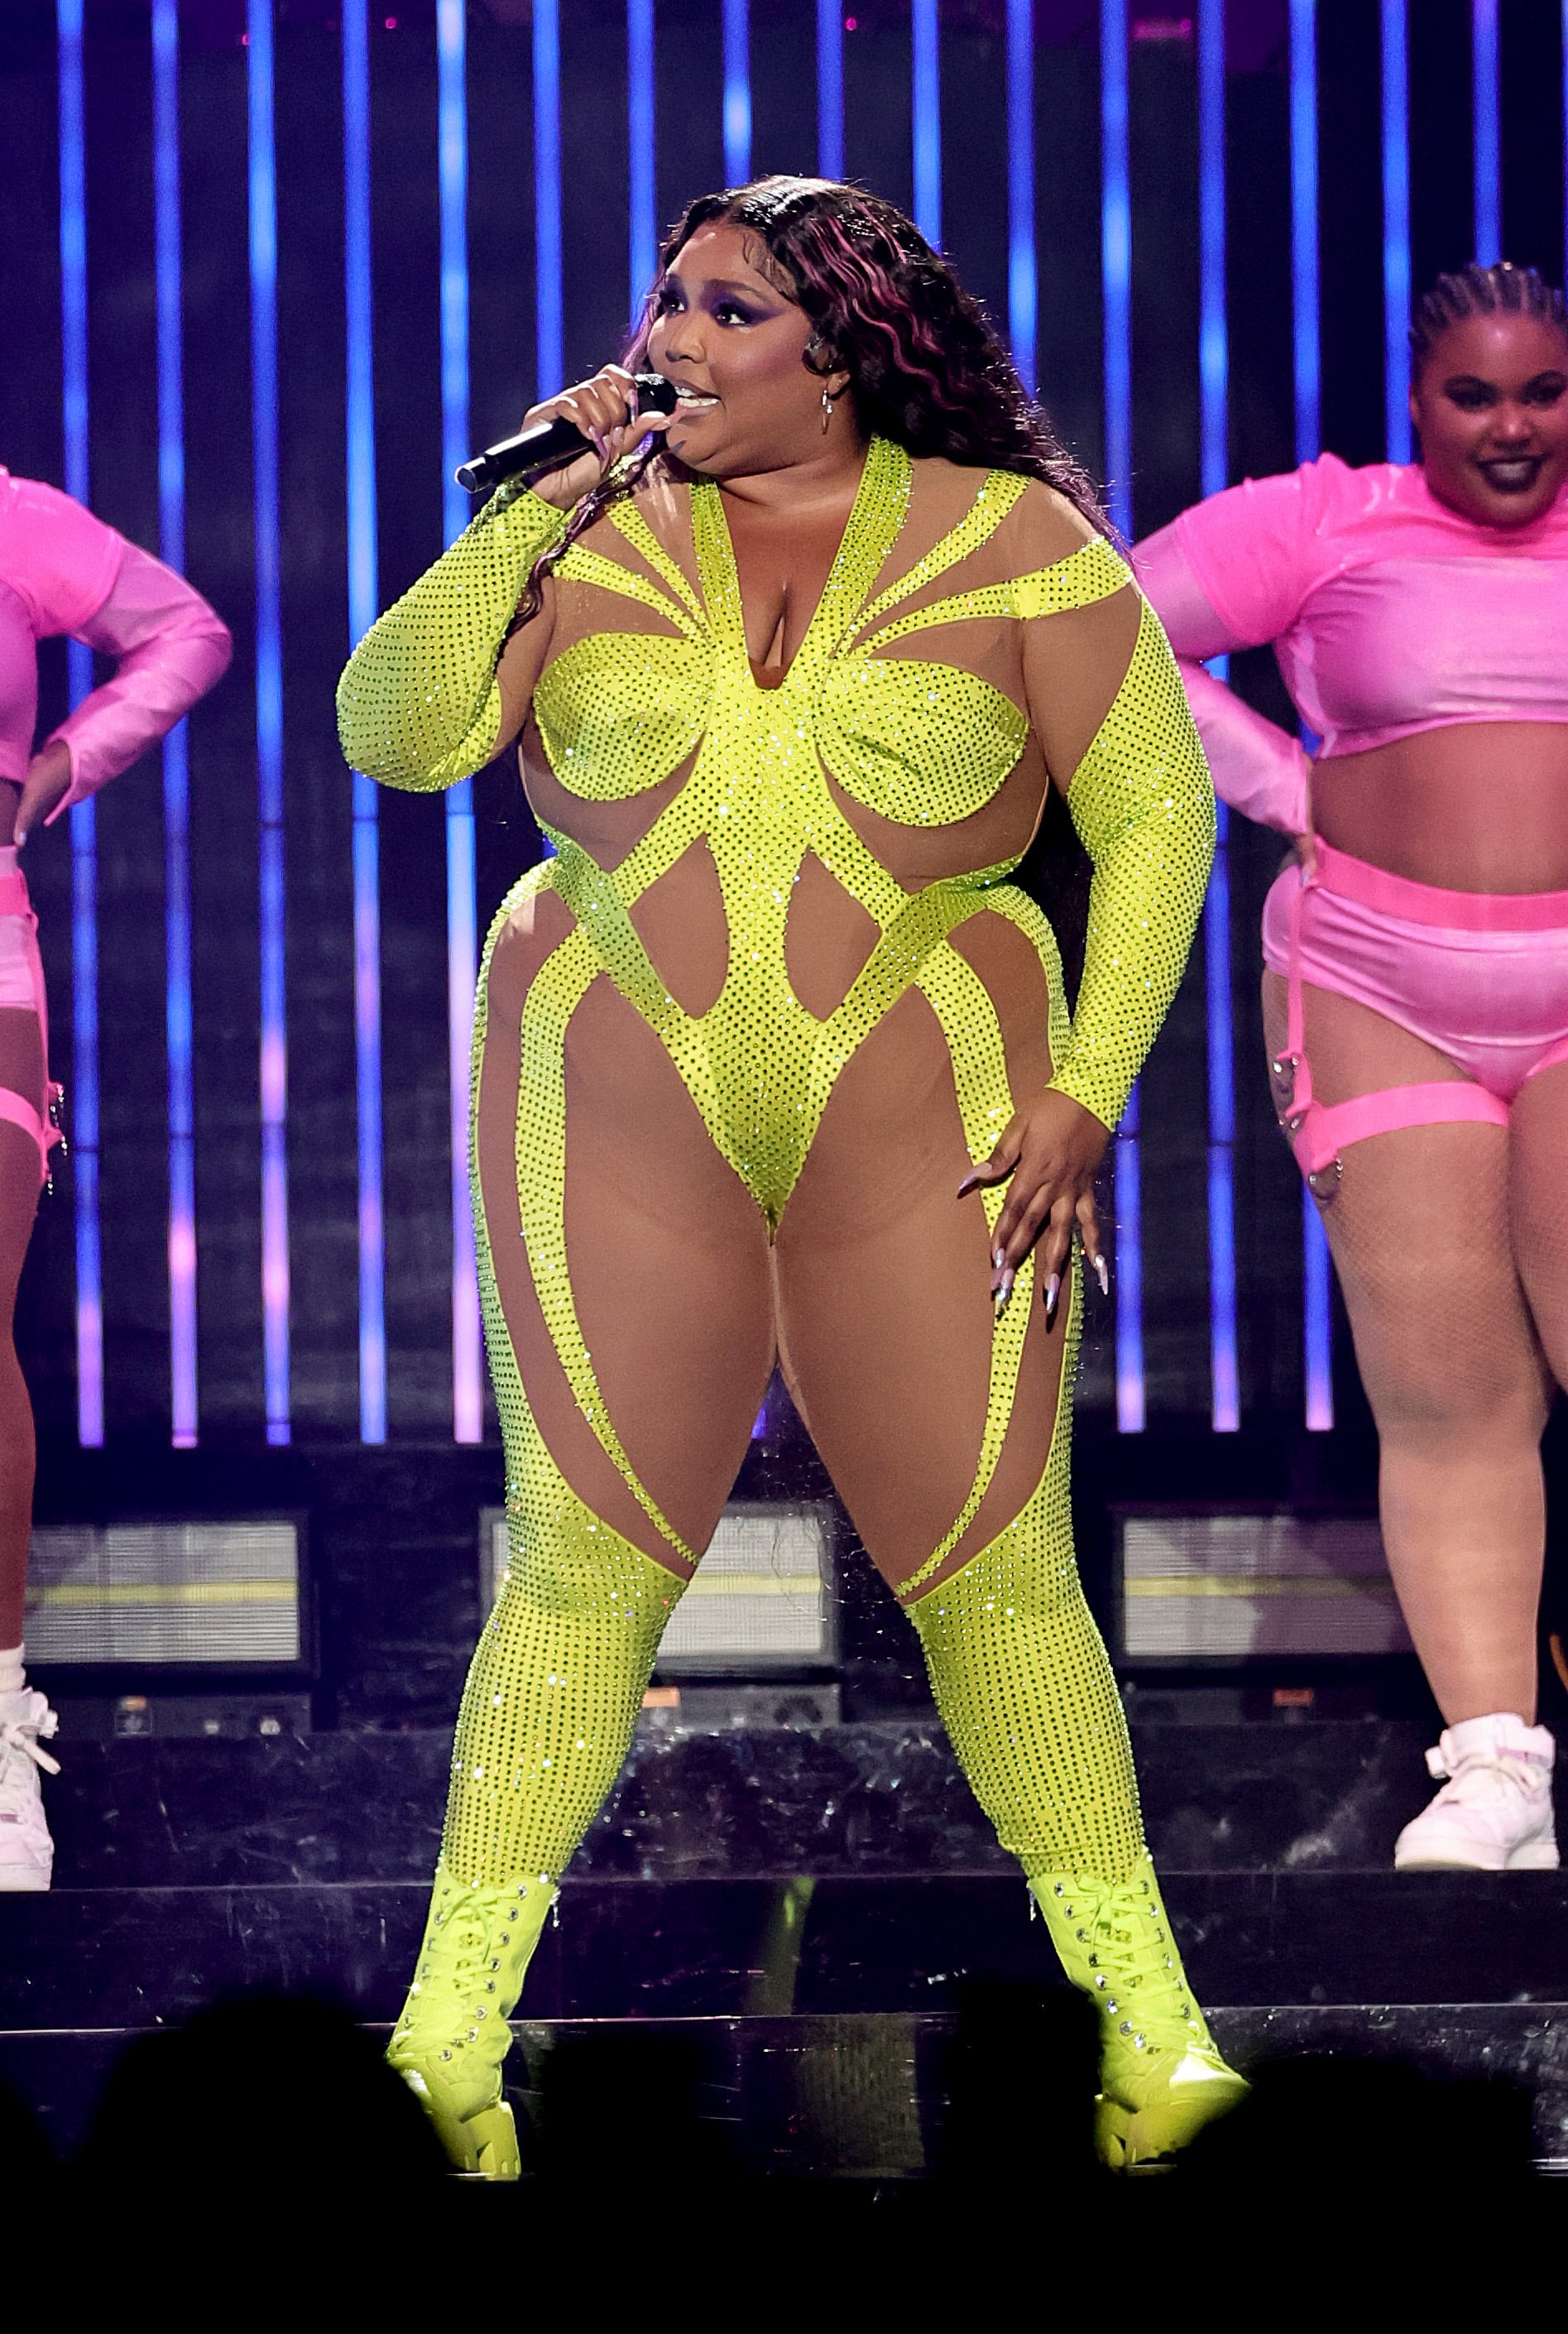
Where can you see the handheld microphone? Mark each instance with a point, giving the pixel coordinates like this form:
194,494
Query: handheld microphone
551,445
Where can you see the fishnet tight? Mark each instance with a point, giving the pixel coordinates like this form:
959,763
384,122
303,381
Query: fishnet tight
22,1070
1451,1245
874,1297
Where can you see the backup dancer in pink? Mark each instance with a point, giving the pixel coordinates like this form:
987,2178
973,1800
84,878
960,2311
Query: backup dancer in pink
60,571
1416,995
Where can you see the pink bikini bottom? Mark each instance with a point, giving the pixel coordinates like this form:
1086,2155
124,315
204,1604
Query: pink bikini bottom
1483,977
22,988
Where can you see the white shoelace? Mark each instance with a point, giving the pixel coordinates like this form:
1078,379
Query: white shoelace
21,1736
1476,1778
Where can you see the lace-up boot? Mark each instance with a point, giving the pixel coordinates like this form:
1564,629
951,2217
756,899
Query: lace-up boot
1161,2078
1494,1813
27,1850
453,2035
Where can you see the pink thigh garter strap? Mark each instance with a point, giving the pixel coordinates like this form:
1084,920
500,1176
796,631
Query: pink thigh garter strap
1321,1131
16,1109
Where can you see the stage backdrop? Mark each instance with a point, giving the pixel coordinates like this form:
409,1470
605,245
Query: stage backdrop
268,271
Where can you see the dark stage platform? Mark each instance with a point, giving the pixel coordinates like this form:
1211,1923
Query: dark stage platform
796,1912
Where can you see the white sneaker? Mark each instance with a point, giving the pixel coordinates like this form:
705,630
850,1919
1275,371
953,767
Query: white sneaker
1494,1812
27,1850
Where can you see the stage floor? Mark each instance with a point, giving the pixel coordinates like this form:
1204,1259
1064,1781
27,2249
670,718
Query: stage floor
794,1918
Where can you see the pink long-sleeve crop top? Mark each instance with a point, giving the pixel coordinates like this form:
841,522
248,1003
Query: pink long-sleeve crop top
63,571
1389,613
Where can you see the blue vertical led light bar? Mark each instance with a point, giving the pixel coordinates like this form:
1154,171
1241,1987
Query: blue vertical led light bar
462,910
1395,234
1486,136
549,360
1305,335
737,93
1116,281
182,1342
360,418
642,238
926,103
830,89
1214,384
1023,298
85,1119
1317,1343
269,717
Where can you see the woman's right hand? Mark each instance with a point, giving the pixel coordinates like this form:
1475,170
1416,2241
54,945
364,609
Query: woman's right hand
605,409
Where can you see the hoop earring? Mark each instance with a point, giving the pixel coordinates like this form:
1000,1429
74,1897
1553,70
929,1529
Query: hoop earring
828,404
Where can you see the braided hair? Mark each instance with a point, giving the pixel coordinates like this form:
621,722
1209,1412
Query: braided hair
1477,291
926,366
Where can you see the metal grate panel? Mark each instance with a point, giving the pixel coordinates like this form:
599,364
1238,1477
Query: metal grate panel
1237,1587
762,1599
151,1593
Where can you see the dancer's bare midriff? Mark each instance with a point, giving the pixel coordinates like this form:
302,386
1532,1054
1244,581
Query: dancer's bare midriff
1478,807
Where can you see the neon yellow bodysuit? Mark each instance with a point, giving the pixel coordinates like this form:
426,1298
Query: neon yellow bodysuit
657,684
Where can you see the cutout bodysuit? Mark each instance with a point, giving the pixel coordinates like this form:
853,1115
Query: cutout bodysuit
853,742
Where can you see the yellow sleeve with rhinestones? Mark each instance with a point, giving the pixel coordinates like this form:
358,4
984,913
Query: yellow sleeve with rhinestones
418,704
1143,804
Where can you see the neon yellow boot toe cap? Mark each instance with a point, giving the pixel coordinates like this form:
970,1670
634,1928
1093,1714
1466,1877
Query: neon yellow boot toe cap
1152,2114
483,2142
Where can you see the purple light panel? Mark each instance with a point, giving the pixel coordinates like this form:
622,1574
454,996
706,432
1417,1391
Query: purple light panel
1116,284
462,940
1317,1321
737,93
84,1115
1214,386
359,431
273,1064
175,754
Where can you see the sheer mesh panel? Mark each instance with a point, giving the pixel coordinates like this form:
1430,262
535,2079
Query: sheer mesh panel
894,753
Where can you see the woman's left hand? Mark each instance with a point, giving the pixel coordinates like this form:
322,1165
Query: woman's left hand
48,782
1050,1149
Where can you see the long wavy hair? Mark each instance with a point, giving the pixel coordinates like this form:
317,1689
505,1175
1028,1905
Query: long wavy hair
925,365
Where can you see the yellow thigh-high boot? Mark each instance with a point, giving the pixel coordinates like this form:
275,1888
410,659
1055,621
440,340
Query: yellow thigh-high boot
1022,1680
545,1724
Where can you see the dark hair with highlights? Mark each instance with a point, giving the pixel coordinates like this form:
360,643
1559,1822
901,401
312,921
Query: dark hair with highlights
927,367
1477,291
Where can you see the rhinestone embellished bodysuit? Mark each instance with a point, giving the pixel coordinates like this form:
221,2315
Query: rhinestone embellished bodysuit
1017,1666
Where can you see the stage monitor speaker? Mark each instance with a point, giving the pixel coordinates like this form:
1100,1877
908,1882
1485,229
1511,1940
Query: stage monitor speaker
167,1595
762,1600
1235,1584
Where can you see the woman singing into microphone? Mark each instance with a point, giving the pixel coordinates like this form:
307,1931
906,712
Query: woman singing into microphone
1416,1000
60,571
772,1063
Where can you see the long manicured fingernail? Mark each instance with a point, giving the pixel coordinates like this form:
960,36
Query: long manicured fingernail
1003,1289
998,1255
970,1183
1052,1291
1103,1275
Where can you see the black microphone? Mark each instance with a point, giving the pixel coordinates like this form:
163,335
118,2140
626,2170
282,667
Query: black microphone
551,445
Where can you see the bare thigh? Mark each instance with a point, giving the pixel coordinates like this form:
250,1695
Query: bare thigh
668,1256
22,1070
1538,1203
1420,1229
885,1318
